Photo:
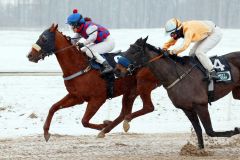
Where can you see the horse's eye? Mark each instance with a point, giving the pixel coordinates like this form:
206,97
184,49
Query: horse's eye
132,51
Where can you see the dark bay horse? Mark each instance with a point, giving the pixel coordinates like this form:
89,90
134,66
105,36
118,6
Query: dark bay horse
185,86
84,84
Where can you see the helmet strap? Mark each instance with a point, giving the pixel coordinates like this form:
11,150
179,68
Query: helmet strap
179,33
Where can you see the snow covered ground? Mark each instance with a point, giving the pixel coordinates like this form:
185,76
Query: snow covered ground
25,100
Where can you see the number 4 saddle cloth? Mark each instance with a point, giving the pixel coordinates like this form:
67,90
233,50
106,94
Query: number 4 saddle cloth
222,68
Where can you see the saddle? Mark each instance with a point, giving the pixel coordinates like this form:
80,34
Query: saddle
223,70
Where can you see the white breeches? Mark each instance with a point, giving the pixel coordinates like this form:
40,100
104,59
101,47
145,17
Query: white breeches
202,47
96,49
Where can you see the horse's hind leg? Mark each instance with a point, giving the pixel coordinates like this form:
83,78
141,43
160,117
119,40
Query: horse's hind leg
66,102
127,104
92,107
202,112
192,116
236,93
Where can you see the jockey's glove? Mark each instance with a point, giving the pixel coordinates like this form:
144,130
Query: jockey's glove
68,38
80,45
165,53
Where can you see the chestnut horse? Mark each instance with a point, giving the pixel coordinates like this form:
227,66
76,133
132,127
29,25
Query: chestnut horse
185,86
85,84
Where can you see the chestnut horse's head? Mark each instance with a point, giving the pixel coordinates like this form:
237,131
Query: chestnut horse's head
45,45
132,58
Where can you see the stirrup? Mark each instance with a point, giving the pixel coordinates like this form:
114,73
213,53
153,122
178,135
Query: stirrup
107,70
210,76
213,75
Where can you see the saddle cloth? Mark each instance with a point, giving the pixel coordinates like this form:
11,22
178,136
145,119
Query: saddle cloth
222,68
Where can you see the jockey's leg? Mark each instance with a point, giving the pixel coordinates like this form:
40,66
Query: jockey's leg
96,49
194,48
206,45
91,52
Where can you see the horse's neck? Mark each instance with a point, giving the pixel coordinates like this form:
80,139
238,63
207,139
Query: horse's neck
70,59
164,69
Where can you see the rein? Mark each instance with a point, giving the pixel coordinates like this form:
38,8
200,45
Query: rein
63,49
155,58
160,56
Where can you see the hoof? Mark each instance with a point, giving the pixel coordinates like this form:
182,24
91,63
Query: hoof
101,135
47,136
126,125
107,122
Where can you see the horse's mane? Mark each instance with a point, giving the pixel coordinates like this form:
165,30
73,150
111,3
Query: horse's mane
176,58
153,48
68,39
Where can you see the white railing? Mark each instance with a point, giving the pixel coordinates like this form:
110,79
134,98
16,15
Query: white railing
31,73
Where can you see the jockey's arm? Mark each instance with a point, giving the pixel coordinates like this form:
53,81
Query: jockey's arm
169,43
75,38
187,41
92,32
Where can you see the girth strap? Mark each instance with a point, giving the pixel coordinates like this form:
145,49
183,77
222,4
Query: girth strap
77,74
180,78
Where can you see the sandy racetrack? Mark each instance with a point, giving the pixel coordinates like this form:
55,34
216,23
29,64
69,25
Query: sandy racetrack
117,147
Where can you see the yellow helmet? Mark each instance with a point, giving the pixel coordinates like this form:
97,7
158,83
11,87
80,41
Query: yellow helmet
173,25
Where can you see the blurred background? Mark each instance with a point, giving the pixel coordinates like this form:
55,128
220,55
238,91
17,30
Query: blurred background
116,14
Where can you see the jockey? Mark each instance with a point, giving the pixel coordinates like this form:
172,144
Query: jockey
97,38
206,35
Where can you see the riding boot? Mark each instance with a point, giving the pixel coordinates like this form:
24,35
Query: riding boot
107,68
213,75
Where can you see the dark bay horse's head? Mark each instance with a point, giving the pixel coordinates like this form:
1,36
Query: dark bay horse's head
136,58
45,45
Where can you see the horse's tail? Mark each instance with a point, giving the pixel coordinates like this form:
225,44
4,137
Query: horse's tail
87,19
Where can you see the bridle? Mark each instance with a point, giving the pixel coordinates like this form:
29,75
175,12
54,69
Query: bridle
48,49
48,45
145,62
185,73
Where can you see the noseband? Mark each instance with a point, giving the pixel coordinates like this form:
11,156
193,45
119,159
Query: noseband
143,58
132,66
47,41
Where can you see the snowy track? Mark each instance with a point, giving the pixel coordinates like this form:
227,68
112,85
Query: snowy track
118,147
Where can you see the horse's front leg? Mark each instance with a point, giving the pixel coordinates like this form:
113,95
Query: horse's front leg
192,116
66,102
202,112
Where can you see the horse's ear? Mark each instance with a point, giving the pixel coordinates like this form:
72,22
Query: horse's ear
54,27
144,42
139,40
145,39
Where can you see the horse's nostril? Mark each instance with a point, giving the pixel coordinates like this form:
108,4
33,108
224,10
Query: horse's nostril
29,56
